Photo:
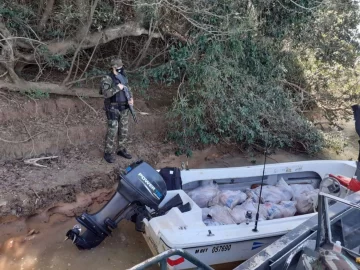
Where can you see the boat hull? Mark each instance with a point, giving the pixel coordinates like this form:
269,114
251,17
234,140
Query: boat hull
231,243
214,254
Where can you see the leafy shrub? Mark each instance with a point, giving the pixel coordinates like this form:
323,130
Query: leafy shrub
37,94
232,92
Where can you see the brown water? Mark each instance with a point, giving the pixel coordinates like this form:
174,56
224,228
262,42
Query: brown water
47,250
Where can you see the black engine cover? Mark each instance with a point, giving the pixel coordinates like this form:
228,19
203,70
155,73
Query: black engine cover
142,183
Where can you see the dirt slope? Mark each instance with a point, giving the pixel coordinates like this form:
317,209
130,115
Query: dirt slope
73,130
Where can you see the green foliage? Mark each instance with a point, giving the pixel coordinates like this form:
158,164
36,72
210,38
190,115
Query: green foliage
22,18
245,70
140,83
232,73
67,18
96,72
17,17
37,94
335,141
325,59
105,15
53,60
232,92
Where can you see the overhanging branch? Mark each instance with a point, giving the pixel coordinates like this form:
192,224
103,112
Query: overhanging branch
93,39
101,37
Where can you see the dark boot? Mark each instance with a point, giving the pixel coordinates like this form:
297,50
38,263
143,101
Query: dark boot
124,153
109,158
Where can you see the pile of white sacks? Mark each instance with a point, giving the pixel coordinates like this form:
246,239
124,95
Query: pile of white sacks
221,207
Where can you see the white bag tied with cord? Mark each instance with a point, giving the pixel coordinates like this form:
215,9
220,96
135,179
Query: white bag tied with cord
221,214
281,210
204,194
229,198
300,188
252,195
285,188
275,194
306,198
239,211
205,213
210,222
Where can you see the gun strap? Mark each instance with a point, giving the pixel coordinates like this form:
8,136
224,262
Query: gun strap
118,104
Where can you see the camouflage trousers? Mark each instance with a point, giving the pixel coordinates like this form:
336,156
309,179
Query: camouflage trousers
117,124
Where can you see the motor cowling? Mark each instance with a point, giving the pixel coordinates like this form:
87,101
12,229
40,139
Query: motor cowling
139,186
144,184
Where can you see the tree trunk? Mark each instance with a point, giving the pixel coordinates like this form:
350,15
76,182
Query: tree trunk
47,12
49,88
84,31
97,38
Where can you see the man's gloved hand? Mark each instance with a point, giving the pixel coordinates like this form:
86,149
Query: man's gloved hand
131,102
121,86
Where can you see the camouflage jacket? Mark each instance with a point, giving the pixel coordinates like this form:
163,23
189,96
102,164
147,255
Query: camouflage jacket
108,85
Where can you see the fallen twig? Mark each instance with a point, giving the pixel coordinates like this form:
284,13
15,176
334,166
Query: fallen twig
37,195
142,113
33,161
2,75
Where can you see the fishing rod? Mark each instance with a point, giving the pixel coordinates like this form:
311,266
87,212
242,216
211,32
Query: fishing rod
262,183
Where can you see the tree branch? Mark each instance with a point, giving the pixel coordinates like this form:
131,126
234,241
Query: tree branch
101,37
85,11
7,58
91,40
88,63
85,32
47,12
146,47
83,79
50,88
295,86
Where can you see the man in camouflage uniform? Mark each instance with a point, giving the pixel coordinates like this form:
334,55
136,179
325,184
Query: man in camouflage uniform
117,113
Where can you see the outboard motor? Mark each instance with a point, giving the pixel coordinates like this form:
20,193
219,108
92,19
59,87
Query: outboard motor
139,186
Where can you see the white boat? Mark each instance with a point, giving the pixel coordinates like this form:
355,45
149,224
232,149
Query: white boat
329,240
236,242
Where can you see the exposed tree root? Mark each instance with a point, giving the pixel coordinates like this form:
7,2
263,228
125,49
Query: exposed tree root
50,88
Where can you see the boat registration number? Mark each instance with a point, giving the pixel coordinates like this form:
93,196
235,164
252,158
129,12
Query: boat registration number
222,248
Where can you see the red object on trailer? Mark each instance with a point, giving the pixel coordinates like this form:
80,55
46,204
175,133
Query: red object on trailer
177,261
351,183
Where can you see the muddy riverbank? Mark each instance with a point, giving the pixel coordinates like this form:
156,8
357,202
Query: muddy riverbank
37,242
38,204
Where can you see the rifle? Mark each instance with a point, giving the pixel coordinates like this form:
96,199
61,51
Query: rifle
123,81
